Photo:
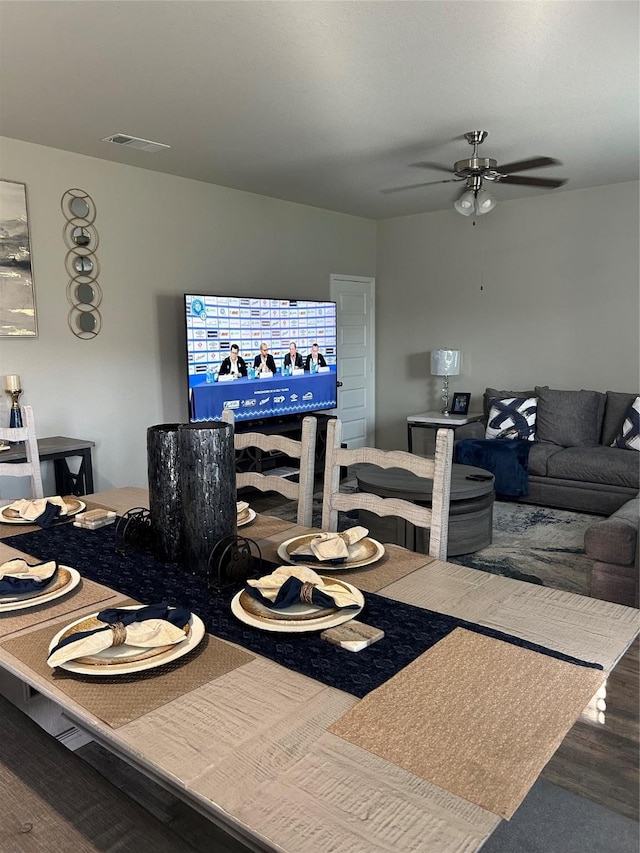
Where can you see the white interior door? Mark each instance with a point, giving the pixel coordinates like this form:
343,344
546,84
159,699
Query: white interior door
355,299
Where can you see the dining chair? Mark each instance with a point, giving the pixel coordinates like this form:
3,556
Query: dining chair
30,468
304,450
438,469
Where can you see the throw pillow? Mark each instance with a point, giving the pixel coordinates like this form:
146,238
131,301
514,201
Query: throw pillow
514,417
492,394
570,418
629,437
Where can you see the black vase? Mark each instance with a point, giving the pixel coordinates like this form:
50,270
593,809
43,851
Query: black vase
208,490
163,470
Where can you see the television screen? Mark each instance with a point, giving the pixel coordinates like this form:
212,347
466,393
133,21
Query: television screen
262,358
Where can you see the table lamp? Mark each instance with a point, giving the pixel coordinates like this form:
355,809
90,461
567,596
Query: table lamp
446,363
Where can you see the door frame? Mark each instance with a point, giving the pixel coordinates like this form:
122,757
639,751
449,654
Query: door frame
370,281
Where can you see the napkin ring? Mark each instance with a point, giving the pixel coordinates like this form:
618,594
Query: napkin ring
306,591
119,633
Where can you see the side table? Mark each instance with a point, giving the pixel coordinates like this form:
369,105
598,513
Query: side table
436,420
59,448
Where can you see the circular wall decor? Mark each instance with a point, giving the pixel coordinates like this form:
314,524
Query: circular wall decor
84,294
84,324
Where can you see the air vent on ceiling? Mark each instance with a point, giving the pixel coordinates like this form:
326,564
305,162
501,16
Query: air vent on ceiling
135,142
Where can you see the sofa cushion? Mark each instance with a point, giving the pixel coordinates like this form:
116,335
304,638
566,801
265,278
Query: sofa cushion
569,418
614,414
611,541
629,512
539,456
629,436
606,465
493,394
512,417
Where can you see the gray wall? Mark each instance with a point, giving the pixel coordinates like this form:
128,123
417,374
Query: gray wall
159,237
540,291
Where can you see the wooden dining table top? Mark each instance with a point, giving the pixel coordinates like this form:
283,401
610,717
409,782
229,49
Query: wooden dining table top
253,750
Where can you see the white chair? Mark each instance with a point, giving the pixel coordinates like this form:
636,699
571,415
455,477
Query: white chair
437,469
30,468
304,450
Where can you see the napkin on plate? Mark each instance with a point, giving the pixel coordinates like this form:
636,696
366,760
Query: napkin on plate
17,576
294,584
330,547
42,511
146,627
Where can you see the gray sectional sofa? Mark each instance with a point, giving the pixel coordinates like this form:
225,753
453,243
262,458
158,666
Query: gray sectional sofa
613,545
571,463
573,466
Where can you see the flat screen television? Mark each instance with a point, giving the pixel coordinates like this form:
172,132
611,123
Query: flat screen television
228,338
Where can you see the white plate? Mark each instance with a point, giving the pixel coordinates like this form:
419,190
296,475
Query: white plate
363,553
194,637
74,511
28,599
291,626
248,519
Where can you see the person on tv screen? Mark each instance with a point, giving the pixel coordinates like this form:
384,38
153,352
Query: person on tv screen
293,357
314,360
263,362
233,364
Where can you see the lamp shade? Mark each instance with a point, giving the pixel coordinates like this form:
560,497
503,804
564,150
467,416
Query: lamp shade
466,203
445,362
484,202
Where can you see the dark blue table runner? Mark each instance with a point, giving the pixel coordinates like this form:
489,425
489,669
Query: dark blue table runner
409,630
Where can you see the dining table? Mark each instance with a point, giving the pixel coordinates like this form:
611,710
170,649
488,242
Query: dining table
424,740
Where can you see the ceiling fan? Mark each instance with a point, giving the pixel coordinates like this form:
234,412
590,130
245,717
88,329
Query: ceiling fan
475,170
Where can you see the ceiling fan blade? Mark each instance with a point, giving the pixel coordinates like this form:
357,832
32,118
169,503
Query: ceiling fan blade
416,186
532,163
427,164
532,182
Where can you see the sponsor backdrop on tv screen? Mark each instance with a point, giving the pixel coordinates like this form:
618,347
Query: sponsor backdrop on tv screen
214,323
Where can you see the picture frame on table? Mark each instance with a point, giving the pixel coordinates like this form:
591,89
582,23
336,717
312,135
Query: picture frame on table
460,404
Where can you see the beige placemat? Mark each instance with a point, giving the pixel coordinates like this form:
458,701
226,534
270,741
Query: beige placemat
396,563
119,699
7,530
477,716
263,526
84,595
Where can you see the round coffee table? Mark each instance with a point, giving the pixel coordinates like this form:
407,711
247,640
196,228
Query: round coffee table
470,509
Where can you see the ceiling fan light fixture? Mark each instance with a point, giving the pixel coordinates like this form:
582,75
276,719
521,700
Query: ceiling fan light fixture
484,202
466,203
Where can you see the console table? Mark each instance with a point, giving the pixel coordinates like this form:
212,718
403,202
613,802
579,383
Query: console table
59,448
437,420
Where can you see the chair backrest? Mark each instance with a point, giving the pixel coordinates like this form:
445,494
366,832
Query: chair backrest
30,468
304,450
437,469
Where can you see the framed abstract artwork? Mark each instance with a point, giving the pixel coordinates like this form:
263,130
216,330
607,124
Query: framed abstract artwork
17,294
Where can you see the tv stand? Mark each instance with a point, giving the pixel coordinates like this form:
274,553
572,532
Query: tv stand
254,459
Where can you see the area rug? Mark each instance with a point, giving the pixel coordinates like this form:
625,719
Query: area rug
530,543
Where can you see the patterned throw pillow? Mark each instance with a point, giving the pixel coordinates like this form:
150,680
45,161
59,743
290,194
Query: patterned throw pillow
629,437
514,417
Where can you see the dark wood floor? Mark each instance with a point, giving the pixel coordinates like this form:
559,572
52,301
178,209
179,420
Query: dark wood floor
598,759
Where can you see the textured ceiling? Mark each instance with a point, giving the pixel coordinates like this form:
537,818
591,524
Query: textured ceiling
328,103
